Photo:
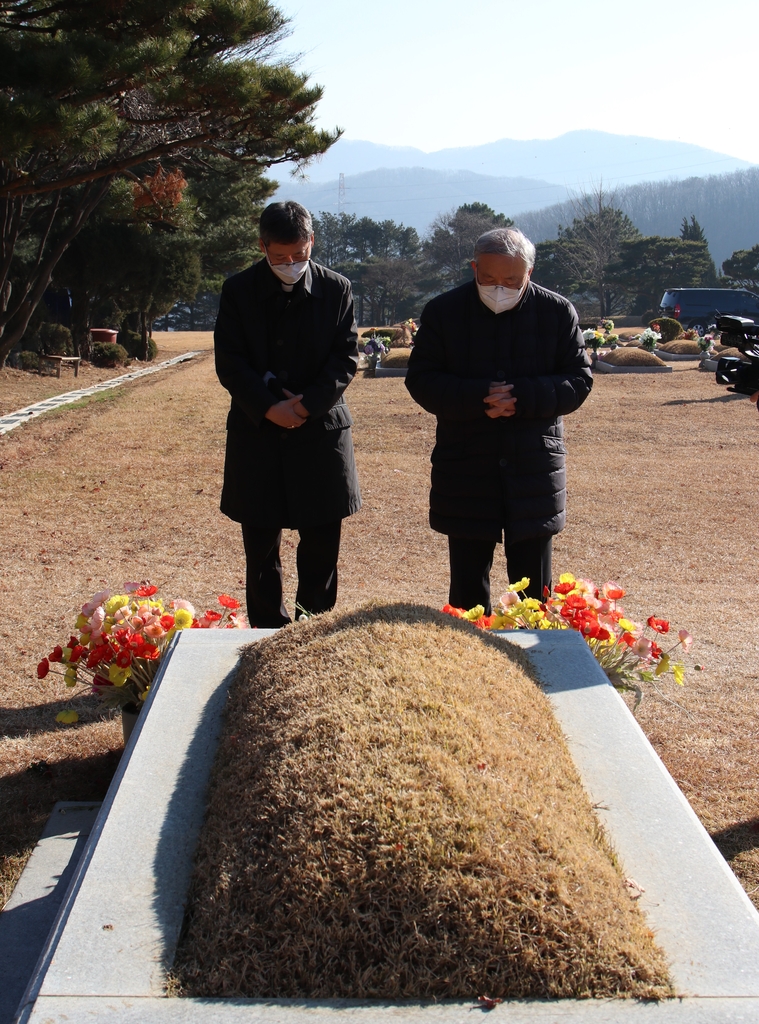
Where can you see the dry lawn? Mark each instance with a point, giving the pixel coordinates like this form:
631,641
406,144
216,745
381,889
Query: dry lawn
632,357
662,498
371,834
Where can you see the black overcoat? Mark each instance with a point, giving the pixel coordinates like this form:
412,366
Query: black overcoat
308,341
491,475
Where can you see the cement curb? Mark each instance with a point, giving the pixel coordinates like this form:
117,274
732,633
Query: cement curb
117,933
14,419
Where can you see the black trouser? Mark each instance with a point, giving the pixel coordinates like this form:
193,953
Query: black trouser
472,559
316,561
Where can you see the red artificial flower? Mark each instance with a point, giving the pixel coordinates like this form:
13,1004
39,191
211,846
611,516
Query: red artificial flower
56,654
564,588
627,638
167,621
656,651
43,668
99,682
76,653
146,590
123,659
212,616
547,592
660,625
457,613
484,621
576,601
227,601
149,652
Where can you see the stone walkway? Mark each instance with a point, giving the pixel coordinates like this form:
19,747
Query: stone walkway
14,419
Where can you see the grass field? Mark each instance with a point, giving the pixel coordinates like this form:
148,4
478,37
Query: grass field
662,498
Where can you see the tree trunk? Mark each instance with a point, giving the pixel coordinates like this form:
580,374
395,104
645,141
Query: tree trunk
144,333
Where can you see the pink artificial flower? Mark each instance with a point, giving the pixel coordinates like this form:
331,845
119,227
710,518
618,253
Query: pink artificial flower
642,647
185,606
97,618
685,639
509,598
129,588
612,591
154,630
92,604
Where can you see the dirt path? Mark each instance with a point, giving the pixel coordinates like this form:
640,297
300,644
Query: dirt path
663,498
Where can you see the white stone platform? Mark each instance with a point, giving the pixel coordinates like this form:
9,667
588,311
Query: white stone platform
118,929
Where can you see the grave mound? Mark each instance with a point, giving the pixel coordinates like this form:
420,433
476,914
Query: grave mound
681,347
632,357
396,358
394,814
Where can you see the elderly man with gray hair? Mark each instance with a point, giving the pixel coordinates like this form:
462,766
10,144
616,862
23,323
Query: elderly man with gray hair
499,361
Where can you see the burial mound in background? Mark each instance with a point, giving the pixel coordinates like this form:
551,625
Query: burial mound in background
394,814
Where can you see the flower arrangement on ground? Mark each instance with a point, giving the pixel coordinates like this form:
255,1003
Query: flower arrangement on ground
628,653
374,347
120,640
649,339
593,338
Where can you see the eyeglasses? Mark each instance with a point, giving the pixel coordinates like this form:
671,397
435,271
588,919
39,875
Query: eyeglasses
295,257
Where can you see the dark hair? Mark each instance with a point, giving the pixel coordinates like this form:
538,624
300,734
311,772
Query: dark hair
285,223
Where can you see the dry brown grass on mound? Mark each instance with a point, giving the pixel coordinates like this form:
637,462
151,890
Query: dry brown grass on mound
681,347
394,815
396,357
632,357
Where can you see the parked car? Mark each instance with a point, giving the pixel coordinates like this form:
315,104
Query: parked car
700,307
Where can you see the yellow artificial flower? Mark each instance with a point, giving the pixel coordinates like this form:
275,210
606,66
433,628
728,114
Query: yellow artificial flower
566,577
113,604
531,604
678,671
70,676
663,665
67,717
144,694
183,619
628,626
522,584
118,676
81,621
474,613
66,654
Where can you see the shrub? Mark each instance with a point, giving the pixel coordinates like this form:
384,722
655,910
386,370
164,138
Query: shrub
668,328
109,353
55,340
132,342
28,360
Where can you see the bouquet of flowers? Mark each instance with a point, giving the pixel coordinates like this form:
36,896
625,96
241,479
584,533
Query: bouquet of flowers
649,339
120,640
593,338
624,649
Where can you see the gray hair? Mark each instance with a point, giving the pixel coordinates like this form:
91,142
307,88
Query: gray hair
506,242
285,223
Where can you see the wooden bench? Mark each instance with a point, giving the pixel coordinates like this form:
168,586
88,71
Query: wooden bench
59,360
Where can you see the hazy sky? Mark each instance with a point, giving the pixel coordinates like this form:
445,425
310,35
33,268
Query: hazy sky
438,73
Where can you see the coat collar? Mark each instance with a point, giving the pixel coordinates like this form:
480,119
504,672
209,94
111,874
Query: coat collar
309,284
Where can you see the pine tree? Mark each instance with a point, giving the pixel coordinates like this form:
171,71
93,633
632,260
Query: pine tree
90,91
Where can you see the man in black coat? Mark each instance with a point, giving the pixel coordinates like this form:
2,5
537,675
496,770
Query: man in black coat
499,361
286,350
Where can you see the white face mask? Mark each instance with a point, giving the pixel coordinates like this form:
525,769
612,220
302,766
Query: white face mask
288,273
498,298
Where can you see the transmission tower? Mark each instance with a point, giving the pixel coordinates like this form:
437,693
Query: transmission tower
341,194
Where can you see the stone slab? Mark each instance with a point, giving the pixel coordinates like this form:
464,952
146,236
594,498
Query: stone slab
675,357
599,366
119,931
30,913
57,1010
390,371
700,913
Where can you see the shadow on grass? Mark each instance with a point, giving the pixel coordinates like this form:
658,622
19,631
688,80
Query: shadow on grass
27,797
41,717
738,838
730,397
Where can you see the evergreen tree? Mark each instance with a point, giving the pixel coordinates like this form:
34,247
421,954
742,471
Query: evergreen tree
449,247
742,269
692,232
648,266
91,91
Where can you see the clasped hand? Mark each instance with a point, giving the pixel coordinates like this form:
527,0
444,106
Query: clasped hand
290,412
499,401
